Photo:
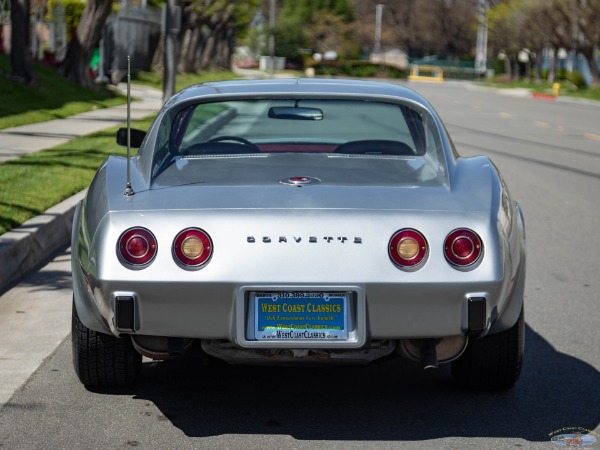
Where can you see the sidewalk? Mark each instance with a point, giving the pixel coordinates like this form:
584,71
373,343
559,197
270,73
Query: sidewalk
18,141
27,246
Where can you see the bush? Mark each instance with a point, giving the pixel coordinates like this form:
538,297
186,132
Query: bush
360,70
328,70
577,79
574,77
72,10
356,69
498,66
393,72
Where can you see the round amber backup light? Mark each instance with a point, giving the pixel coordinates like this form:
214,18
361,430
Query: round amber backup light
192,247
408,248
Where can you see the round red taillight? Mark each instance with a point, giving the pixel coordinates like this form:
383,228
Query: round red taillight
408,249
137,246
463,248
192,247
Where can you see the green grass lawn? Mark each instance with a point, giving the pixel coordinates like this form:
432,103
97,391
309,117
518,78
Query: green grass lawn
592,93
33,183
182,80
566,88
54,97
51,97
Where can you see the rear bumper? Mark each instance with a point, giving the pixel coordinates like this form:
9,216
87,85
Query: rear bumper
218,311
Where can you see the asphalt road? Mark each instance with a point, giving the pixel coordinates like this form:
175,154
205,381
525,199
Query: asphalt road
549,153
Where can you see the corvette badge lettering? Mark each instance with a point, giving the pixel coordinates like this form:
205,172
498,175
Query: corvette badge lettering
298,239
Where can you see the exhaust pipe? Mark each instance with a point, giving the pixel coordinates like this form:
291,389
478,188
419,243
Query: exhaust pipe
175,346
432,351
429,354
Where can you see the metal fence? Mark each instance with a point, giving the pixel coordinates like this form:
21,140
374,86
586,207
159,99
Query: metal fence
463,70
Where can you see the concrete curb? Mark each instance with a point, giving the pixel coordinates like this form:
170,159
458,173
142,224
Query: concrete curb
28,246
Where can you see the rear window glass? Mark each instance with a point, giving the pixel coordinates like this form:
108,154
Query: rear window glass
359,129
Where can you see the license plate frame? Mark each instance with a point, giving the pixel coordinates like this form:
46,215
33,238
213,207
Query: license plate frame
307,316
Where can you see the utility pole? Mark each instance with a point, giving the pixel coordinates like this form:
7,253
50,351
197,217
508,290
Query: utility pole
378,13
271,37
171,24
482,35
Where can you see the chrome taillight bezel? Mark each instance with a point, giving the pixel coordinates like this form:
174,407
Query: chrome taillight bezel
415,262
131,260
192,263
459,259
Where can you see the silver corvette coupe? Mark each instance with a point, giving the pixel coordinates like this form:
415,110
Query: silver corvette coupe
298,221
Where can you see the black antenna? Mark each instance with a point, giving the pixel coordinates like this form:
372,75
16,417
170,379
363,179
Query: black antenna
128,189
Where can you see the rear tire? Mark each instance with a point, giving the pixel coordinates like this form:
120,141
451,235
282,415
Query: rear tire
492,363
102,360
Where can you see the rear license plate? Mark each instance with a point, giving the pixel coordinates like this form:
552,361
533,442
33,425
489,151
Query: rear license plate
301,316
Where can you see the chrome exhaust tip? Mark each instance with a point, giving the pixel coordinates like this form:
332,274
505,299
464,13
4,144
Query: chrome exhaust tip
431,352
428,353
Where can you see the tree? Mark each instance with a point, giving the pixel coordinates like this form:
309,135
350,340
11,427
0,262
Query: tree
451,30
75,67
400,23
545,28
330,32
504,28
20,56
208,33
402,16
299,18
583,16
421,27
547,24
589,26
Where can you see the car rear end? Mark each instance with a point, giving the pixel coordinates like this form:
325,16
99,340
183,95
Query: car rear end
307,227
